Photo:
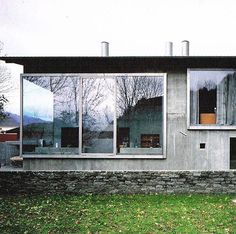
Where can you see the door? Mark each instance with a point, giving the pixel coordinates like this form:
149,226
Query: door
232,153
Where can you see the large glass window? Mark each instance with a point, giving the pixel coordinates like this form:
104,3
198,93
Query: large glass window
140,115
95,114
98,115
212,97
50,115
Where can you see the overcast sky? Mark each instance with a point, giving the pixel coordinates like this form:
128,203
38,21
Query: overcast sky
133,27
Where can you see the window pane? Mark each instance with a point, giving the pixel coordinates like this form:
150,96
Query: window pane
140,115
50,115
98,115
213,97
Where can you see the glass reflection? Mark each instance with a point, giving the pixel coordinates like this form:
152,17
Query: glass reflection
140,115
213,97
98,115
50,115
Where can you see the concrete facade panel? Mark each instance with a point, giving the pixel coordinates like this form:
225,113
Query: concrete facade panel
183,145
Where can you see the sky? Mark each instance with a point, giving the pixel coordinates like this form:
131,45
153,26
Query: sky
38,102
132,27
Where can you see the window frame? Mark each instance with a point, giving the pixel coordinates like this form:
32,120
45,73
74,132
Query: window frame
203,126
113,155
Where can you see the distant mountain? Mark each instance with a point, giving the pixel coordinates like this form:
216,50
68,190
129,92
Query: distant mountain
30,120
13,120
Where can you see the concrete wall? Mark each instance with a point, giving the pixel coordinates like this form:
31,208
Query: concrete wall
6,152
183,145
126,182
183,152
186,150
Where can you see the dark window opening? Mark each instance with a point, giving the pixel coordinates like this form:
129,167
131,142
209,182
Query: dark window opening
232,153
202,145
207,106
123,138
69,137
150,140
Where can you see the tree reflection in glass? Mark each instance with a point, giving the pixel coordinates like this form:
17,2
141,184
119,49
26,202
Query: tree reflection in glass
212,97
140,114
50,114
98,115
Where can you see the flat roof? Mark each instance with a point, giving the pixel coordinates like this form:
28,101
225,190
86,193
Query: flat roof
137,64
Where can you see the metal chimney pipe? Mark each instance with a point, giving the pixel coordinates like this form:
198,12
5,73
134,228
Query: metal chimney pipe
185,48
104,49
169,48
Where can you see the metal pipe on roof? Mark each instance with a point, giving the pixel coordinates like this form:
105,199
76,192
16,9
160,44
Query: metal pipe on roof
169,48
185,48
104,49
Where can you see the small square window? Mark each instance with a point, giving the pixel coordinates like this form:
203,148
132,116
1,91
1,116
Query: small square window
202,145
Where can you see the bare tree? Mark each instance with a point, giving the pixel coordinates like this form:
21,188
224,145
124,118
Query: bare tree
92,96
70,100
151,87
131,89
94,93
5,80
67,99
127,92
108,115
3,101
38,80
1,47
55,84
5,87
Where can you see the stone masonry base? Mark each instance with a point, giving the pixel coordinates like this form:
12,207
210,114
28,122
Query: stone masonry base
117,182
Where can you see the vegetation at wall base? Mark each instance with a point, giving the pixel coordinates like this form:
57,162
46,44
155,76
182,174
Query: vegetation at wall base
118,214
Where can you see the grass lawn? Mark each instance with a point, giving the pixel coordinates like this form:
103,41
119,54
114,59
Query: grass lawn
118,214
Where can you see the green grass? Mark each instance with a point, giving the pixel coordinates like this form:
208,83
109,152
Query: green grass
118,214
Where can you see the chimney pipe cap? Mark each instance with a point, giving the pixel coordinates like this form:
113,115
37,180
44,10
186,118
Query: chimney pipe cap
104,49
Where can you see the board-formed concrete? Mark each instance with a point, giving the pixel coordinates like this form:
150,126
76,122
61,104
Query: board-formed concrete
183,145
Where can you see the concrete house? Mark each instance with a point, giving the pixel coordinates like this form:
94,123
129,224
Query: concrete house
128,113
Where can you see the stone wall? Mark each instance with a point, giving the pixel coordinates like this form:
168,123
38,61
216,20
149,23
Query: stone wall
117,182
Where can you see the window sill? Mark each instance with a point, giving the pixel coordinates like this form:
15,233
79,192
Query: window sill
42,156
211,127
